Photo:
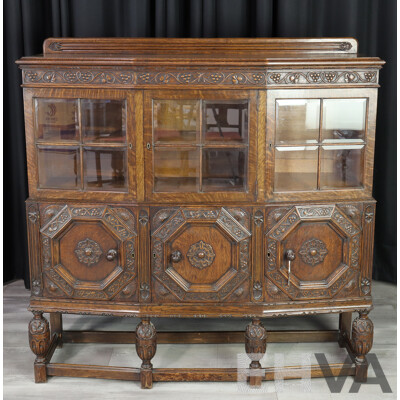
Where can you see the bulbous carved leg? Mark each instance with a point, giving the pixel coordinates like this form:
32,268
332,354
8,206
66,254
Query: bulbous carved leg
146,345
39,340
256,345
361,343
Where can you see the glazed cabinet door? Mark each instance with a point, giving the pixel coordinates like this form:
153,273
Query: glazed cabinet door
315,252
320,144
200,255
88,252
200,145
80,143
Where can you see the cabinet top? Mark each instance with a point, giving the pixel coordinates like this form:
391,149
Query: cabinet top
190,51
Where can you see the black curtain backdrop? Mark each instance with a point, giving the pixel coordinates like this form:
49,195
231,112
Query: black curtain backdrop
27,23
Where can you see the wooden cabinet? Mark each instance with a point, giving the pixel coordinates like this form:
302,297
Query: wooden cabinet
89,252
201,254
199,178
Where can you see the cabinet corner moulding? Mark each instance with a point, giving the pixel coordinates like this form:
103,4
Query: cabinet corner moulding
207,77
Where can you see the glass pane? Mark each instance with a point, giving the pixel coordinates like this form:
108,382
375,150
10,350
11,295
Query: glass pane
224,169
105,169
103,121
226,121
59,167
297,121
176,121
341,166
296,168
176,170
343,120
56,119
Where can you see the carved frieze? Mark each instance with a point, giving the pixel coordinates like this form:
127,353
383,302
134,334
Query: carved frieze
203,77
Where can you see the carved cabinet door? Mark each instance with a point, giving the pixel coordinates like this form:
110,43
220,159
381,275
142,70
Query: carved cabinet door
312,252
88,252
200,254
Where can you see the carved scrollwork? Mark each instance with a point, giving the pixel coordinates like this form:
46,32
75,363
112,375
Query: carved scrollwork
88,252
258,218
36,287
257,290
201,255
313,252
144,291
366,286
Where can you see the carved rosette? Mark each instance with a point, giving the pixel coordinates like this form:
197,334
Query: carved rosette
146,342
39,335
255,342
362,336
88,252
313,252
201,255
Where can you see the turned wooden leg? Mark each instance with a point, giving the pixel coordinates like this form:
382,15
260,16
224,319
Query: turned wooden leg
361,344
56,326
256,345
344,328
39,340
146,345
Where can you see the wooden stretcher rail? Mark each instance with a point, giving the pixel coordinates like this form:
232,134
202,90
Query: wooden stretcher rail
196,374
126,337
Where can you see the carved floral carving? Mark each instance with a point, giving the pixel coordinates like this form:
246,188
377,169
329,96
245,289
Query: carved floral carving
101,76
88,252
39,335
313,252
201,255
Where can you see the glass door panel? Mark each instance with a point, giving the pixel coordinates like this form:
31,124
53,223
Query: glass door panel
226,121
98,122
319,143
341,166
104,169
296,168
58,167
103,121
176,170
176,121
56,120
224,169
297,121
197,151
343,120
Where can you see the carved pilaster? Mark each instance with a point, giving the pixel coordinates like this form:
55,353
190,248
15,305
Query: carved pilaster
33,222
146,345
39,341
257,294
256,345
361,344
144,261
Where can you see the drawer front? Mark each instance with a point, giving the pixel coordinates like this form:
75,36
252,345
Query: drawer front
88,252
200,255
313,252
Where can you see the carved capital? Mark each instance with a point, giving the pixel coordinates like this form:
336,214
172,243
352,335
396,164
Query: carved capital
39,335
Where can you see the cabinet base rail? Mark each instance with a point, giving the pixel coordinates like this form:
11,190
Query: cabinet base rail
146,338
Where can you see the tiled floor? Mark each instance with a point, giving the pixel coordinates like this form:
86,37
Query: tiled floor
18,359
